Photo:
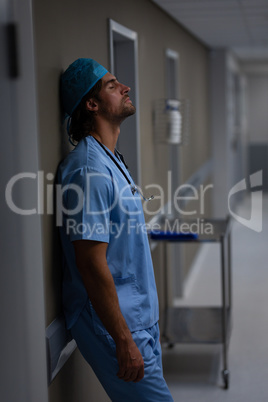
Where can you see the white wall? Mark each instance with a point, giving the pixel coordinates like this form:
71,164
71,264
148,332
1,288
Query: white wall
228,127
258,107
23,353
257,116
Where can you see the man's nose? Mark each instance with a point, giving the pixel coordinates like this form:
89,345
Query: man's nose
125,89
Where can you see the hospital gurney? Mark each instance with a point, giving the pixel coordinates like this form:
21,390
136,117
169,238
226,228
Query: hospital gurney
201,324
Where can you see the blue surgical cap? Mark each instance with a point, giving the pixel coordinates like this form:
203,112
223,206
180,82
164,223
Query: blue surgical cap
77,80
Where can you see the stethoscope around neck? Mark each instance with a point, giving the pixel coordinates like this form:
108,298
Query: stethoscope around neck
134,188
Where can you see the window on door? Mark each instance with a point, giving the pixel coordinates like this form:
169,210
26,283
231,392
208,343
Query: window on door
123,60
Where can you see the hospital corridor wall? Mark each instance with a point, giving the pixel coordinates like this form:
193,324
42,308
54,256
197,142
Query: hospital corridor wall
52,35
22,313
258,120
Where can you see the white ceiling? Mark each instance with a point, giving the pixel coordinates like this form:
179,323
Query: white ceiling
241,25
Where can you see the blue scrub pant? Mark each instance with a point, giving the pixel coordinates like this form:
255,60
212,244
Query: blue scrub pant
100,352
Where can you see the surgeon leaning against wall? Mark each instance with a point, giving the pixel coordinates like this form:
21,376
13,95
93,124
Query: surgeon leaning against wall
109,292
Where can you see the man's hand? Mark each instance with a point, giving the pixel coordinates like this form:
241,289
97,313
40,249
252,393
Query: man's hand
131,364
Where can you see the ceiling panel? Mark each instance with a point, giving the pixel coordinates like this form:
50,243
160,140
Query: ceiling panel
236,24
254,3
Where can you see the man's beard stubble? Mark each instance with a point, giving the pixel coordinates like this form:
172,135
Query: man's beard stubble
126,111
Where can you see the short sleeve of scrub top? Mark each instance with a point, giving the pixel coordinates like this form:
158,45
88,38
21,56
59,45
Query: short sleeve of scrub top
88,205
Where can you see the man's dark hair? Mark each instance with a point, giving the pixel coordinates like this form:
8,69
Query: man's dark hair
82,122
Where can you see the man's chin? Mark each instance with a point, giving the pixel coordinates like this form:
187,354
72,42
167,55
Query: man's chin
133,109
130,110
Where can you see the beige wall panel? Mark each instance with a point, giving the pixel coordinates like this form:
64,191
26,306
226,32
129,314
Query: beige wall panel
76,382
68,29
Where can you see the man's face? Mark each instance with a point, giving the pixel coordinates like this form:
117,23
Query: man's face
114,103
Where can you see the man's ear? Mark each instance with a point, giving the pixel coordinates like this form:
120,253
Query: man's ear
92,105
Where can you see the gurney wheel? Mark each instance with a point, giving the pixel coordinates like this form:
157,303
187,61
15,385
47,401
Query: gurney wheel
225,376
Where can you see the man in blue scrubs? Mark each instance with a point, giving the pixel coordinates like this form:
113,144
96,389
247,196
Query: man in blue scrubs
109,292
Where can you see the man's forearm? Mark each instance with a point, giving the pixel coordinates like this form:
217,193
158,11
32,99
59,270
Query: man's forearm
92,264
101,290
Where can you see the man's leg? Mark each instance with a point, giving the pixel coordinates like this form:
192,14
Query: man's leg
100,353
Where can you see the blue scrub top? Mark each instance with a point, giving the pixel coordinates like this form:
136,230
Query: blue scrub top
98,204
